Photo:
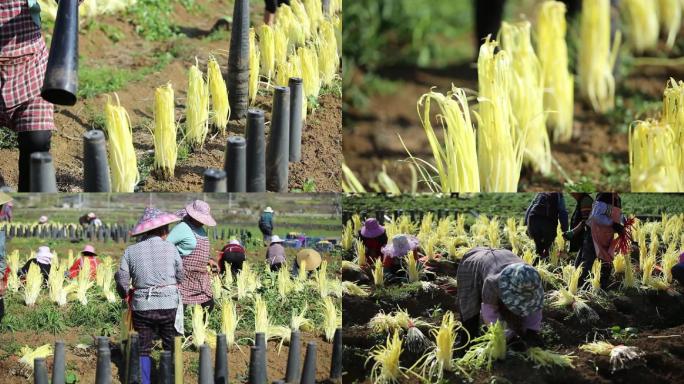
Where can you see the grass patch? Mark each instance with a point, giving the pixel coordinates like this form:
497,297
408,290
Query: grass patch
8,138
152,19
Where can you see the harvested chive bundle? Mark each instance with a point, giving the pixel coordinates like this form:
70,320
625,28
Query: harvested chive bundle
165,146
219,95
122,159
197,108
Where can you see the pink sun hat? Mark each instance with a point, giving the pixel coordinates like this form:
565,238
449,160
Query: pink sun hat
89,249
200,211
151,219
371,228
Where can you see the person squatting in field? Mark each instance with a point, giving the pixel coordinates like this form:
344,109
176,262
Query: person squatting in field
309,259
578,221
393,256
495,284
23,61
231,256
542,217
154,269
275,254
88,255
43,259
192,242
373,237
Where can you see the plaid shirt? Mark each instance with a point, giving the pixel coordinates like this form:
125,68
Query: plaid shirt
196,286
478,276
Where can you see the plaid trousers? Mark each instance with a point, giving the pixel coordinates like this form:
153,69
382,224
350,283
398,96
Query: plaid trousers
155,322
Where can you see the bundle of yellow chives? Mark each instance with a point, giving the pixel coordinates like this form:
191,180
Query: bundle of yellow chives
310,73
527,95
558,82
197,108
654,158
267,49
670,14
288,23
337,22
254,56
673,114
299,11
280,43
456,161
219,95
596,59
328,60
642,17
314,9
165,147
335,6
122,160
350,183
500,146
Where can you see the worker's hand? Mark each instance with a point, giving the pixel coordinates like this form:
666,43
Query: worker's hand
214,266
533,339
568,235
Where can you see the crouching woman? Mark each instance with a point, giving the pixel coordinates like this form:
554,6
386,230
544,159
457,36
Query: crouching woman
154,268
495,284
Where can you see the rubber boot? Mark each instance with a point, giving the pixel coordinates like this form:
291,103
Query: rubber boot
146,369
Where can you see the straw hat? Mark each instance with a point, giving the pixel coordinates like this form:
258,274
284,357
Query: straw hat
151,219
401,245
89,249
268,210
521,289
5,198
311,257
44,256
276,239
200,211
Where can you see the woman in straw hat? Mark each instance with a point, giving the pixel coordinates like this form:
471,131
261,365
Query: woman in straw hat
154,268
307,259
5,200
394,253
374,237
43,260
266,224
190,238
88,255
495,284
275,254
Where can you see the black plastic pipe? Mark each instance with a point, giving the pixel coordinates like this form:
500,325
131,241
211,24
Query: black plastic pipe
133,366
278,148
221,360
336,363
206,376
60,85
214,180
236,170
238,61
256,151
103,373
166,368
95,167
257,366
293,359
43,177
59,363
260,340
40,375
309,371
296,118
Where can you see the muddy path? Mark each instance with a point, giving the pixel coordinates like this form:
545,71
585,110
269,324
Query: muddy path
200,37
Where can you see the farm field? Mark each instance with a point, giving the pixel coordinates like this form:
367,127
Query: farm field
415,52
133,52
77,324
641,308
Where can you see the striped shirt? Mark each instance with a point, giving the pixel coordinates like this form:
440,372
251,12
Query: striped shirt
154,268
478,278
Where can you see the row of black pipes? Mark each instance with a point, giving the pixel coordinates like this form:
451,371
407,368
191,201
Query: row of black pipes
171,364
104,233
250,165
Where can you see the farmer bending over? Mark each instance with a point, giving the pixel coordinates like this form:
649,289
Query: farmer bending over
89,256
43,260
542,218
89,219
373,237
271,8
495,284
603,223
394,253
5,200
307,258
233,255
579,217
190,238
275,254
154,268
23,60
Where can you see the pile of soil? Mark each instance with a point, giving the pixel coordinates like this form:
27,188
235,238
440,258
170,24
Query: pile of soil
321,136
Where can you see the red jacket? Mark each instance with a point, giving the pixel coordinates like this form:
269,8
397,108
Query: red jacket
94,262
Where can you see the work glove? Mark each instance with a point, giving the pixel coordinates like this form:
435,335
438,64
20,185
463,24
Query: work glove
568,235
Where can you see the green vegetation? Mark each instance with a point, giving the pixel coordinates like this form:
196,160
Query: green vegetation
8,138
152,19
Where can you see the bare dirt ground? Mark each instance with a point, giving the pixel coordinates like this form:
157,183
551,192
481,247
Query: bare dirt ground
321,137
